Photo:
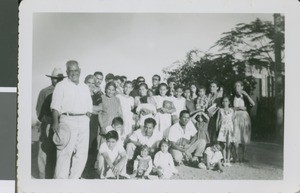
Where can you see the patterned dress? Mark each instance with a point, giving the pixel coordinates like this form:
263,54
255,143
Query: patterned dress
226,125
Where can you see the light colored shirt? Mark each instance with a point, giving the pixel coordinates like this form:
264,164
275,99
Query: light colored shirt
41,98
140,136
238,102
215,157
180,105
177,132
114,153
71,98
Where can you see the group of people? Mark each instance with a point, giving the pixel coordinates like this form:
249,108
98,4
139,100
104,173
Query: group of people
131,128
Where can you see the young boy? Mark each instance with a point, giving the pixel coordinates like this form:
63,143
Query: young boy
212,158
118,126
201,101
112,158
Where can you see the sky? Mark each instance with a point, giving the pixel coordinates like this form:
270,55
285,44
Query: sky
130,44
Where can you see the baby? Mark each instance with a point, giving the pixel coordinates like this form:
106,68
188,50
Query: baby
212,158
142,165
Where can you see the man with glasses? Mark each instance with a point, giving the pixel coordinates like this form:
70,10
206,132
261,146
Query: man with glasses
71,109
155,83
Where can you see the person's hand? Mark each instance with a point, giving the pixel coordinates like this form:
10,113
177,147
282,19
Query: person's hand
55,127
244,93
116,169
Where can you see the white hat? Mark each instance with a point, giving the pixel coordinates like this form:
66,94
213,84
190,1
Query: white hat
62,137
56,73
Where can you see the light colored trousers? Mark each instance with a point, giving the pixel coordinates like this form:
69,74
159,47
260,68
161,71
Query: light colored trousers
197,147
130,149
103,169
78,145
42,156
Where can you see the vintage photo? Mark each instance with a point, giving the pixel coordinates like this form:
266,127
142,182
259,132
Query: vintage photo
157,96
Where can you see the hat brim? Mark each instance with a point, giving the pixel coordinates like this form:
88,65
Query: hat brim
56,76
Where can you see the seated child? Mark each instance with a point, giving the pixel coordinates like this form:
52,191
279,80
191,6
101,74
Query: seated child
142,165
163,161
212,158
117,125
112,157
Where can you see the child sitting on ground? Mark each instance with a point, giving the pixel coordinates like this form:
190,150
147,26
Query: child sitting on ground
144,111
212,158
112,158
117,125
163,161
142,165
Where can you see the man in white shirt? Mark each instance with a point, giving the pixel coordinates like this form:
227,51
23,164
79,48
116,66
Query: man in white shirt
71,108
147,135
184,140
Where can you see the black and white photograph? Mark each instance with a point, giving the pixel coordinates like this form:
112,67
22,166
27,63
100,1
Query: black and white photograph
157,96
125,97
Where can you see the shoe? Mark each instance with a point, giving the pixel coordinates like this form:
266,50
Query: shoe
124,176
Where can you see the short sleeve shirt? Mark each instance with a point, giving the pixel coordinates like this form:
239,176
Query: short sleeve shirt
114,153
176,132
139,136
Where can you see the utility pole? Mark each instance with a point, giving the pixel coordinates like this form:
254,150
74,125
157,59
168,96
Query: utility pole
279,79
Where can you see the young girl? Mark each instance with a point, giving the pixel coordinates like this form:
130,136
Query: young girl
179,102
163,162
225,128
164,114
110,107
242,123
142,165
127,104
112,158
201,102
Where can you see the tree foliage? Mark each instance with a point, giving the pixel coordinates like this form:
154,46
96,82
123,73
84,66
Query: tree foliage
245,45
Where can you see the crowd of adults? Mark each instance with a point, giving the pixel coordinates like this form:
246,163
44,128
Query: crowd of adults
77,117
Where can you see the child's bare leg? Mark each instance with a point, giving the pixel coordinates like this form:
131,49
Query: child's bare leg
236,146
219,166
224,152
243,153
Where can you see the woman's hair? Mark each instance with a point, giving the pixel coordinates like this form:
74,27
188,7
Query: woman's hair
240,82
117,121
128,82
164,141
179,86
162,84
112,135
214,82
110,84
143,147
143,85
88,77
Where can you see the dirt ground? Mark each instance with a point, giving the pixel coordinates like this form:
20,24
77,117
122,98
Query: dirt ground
265,163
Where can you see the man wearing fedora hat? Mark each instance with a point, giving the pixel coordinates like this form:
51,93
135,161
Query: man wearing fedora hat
71,108
46,153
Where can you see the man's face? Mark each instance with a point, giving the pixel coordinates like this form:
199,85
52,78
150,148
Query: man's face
111,143
155,81
73,72
184,119
141,80
99,80
149,129
54,81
